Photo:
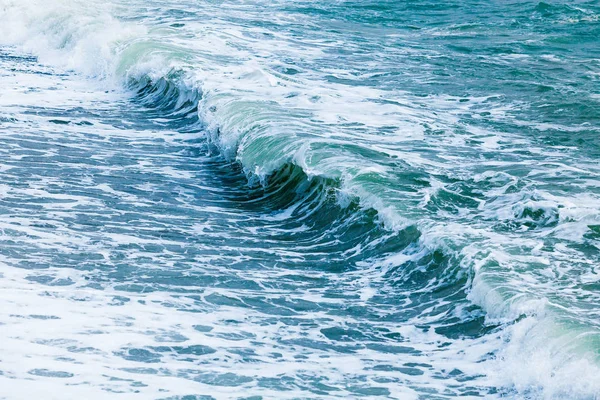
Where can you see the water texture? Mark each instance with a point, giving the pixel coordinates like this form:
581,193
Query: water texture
299,199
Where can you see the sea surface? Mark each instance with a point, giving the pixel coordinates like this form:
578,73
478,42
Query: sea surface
298,199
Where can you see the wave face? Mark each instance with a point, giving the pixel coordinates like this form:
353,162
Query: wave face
291,199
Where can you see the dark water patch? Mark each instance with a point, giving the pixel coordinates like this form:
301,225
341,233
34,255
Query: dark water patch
50,374
50,280
140,355
59,121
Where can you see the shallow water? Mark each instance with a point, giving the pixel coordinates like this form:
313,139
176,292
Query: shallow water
299,199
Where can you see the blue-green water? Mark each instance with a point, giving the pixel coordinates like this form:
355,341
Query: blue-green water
299,199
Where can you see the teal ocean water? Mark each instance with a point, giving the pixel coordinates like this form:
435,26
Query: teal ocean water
299,199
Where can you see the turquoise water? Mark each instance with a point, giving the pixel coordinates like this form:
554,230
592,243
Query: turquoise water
299,199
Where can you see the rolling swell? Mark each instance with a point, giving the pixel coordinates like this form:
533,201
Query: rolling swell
295,199
329,224
407,219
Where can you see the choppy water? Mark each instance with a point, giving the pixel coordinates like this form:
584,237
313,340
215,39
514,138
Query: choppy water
299,199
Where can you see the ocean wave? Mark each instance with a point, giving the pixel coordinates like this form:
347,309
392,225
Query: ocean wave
315,148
